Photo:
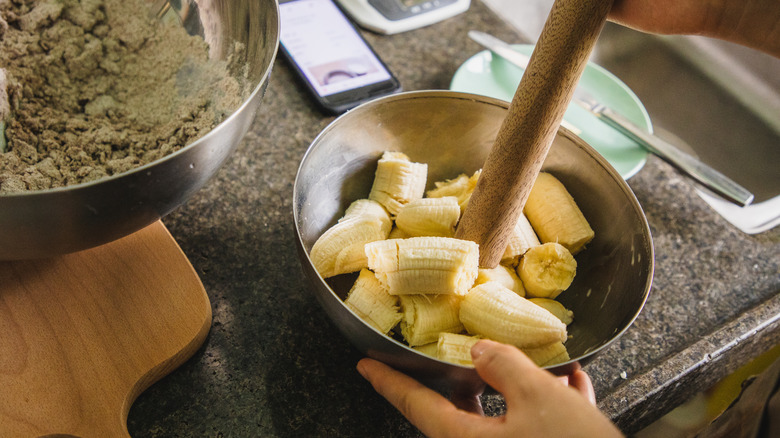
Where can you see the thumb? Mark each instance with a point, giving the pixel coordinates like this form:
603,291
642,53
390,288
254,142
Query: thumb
507,369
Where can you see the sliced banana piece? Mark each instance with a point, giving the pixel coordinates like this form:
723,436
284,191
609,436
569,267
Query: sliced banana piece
424,265
430,349
351,259
546,355
492,311
461,187
371,302
339,250
366,207
504,275
397,233
547,270
556,308
456,348
522,239
429,217
555,216
398,181
425,316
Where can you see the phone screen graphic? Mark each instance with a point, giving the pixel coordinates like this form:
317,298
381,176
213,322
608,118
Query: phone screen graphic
327,48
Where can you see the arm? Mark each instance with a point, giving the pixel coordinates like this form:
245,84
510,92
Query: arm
752,23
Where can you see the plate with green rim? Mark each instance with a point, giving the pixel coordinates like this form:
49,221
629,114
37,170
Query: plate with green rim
490,75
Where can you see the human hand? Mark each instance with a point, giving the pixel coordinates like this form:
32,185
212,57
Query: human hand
537,404
752,23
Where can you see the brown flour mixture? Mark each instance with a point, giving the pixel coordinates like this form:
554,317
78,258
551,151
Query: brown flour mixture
92,88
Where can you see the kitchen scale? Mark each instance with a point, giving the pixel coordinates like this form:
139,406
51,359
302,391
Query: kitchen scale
394,16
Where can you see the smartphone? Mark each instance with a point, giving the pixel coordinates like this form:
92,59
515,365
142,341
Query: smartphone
335,62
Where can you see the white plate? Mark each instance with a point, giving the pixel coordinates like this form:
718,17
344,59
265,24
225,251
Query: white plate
492,76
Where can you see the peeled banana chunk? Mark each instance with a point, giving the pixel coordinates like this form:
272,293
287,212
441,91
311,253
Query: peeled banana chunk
504,275
492,311
556,308
398,181
522,239
371,302
397,233
367,207
340,249
555,216
547,270
546,355
429,217
425,317
430,349
456,348
351,259
461,187
424,265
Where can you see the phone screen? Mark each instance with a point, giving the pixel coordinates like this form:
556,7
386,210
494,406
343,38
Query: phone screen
327,49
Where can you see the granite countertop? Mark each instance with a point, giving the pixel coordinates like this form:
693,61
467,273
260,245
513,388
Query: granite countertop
274,365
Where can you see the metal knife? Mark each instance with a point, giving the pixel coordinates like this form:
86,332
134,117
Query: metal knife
704,174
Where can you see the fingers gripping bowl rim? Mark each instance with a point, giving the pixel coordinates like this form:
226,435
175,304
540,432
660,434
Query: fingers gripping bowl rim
452,132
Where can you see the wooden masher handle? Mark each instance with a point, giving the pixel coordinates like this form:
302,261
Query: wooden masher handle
533,118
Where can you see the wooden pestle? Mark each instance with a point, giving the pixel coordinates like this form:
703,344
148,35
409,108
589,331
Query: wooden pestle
532,121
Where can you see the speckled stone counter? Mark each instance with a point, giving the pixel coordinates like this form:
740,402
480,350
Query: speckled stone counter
274,365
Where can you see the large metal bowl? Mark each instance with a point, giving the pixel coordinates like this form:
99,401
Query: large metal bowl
62,220
453,133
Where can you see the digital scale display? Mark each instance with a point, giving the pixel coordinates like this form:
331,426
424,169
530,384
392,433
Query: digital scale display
394,16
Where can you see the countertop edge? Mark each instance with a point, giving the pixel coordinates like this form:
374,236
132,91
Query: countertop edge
691,370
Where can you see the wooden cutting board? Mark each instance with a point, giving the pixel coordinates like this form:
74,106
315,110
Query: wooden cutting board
82,335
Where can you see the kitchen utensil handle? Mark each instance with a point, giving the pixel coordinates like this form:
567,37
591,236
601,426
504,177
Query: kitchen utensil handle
705,175
531,123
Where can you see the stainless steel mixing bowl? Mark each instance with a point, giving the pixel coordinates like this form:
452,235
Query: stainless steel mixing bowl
453,133
57,221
